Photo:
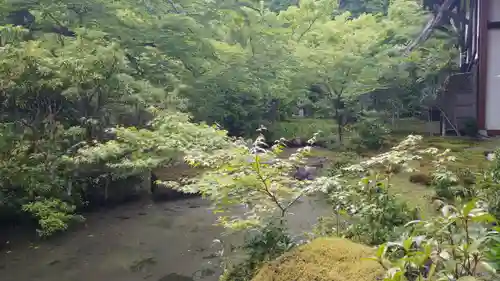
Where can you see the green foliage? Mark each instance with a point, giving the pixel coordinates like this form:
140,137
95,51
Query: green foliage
452,182
78,82
342,160
53,215
371,214
493,253
69,74
260,246
370,133
487,186
451,247
258,181
170,136
254,178
470,127
358,7
368,214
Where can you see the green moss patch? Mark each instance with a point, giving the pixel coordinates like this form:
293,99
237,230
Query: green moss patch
324,259
421,178
304,129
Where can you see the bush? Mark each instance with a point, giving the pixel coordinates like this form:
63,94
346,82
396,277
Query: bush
260,245
302,129
341,160
370,133
373,213
53,215
470,127
366,212
454,246
488,186
324,259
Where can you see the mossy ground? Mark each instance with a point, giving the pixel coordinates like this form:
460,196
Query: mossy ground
304,129
324,259
469,154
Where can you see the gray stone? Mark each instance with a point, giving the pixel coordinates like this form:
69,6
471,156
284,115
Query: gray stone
305,173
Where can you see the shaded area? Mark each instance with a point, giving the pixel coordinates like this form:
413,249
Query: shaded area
139,241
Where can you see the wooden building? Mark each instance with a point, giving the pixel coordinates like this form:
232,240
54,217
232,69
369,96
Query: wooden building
474,93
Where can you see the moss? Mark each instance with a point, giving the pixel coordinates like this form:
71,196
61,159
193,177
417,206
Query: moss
303,129
405,126
324,259
421,178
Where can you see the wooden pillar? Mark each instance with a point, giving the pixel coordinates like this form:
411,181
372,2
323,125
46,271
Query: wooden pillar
482,63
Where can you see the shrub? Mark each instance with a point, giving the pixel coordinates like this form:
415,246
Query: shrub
450,247
302,129
376,214
323,259
370,133
449,180
53,215
372,213
493,254
470,127
341,160
466,177
258,180
260,245
488,186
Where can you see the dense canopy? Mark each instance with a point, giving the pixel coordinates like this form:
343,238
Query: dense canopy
93,91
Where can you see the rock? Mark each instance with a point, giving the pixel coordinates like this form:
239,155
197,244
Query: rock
305,173
324,259
490,155
296,142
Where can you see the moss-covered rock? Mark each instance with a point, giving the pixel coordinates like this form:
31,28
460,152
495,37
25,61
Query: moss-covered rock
421,178
324,259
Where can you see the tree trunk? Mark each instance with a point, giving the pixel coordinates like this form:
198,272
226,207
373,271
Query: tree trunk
338,116
339,130
429,27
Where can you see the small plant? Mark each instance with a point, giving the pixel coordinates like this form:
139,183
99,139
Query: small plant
261,182
365,212
364,208
261,245
487,186
342,160
493,254
53,215
444,181
470,127
256,179
453,246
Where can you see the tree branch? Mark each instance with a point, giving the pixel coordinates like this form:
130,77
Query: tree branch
308,28
430,26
